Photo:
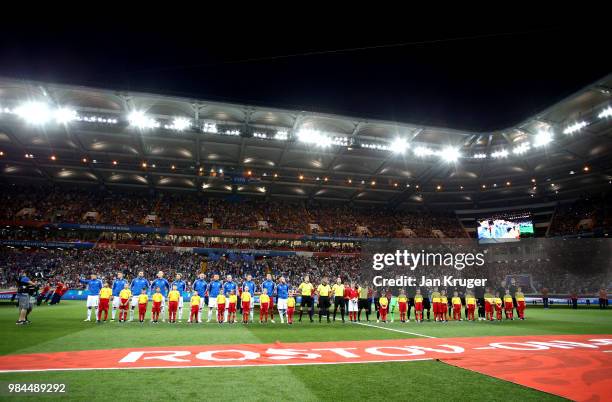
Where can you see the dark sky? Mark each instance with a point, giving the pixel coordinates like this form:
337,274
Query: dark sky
482,77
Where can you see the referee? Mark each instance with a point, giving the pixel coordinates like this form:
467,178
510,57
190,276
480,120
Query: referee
306,288
338,290
324,290
26,290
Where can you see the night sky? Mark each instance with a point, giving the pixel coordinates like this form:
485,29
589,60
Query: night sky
482,78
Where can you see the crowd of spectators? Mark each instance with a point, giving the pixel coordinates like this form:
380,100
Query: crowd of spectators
187,210
585,215
68,266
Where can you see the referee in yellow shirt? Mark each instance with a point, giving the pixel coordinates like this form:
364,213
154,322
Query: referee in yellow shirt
338,290
306,289
324,290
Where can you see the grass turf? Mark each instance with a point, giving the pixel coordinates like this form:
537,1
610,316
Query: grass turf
60,328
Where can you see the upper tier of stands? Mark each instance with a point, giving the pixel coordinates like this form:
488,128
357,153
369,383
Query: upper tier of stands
185,210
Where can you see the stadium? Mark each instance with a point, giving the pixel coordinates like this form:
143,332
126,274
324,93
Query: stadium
286,249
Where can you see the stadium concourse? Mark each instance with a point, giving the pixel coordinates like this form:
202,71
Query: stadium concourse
145,191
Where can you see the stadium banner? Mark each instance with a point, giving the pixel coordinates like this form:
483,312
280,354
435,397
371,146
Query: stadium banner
542,267
50,244
193,232
261,252
7,294
570,366
109,228
564,301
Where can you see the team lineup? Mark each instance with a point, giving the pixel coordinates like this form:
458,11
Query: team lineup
227,298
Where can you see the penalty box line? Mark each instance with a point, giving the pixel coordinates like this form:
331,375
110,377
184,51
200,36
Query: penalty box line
394,330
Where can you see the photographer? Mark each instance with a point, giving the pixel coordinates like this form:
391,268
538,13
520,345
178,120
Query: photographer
26,297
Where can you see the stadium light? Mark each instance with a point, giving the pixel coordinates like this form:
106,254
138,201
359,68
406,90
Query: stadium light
542,138
450,154
399,145
314,137
500,154
378,147
607,112
571,129
210,128
141,120
423,151
37,113
480,156
521,149
65,115
179,124
281,135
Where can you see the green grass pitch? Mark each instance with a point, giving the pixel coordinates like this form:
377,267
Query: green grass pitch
61,328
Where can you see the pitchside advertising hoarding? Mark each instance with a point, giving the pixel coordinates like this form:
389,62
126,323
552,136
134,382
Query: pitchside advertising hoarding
549,267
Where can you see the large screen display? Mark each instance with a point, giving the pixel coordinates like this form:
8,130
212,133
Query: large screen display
504,228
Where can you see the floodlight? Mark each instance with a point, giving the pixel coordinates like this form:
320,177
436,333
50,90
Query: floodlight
500,154
571,129
607,112
423,151
65,115
179,124
542,138
521,149
399,145
141,120
450,154
37,113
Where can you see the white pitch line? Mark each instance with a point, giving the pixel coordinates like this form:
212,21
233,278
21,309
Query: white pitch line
394,330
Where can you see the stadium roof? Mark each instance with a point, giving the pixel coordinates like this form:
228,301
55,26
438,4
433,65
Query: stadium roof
84,135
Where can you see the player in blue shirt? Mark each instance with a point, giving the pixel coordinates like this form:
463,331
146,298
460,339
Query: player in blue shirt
200,286
270,286
93,288
164,286
181,287
282,294
138,283
228,287
118,285
249,286
214,288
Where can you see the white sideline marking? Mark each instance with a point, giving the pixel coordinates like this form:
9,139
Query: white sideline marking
217,366
394,330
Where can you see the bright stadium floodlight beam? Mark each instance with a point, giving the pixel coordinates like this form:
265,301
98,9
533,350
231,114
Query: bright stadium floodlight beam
423,151
399,145
179,124
450,154
314,137
210,128
65,115
37,113
521,149
542,138
281,135
607,112
503,153
141,120
573,128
